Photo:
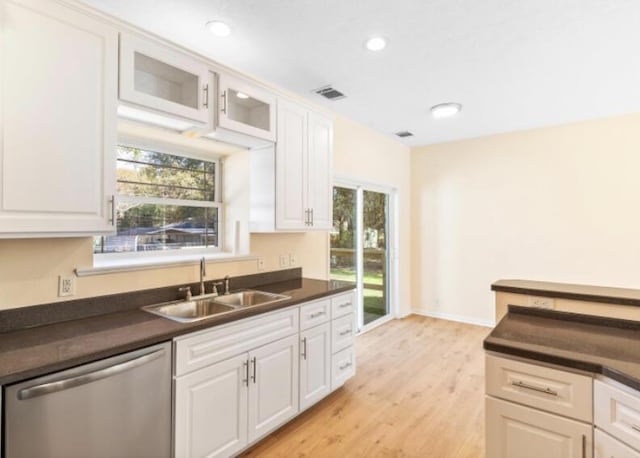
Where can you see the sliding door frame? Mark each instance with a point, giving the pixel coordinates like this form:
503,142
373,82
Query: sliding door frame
392,247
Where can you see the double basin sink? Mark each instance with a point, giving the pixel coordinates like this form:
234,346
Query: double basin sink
202,307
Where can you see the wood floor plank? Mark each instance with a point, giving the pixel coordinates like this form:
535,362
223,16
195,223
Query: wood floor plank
418,392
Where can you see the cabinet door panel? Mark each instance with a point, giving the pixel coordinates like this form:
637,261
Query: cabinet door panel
606,446
291,166
58,118
320,181
617,411
159,78
273,389
211,410
315,365
515,431
246,109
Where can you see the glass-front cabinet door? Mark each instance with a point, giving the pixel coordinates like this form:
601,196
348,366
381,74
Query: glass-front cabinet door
246,108
156,77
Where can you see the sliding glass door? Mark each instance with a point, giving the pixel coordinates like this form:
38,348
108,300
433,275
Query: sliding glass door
360,248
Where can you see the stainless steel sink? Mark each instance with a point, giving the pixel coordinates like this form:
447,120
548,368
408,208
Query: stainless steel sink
208,306
248,298
187,311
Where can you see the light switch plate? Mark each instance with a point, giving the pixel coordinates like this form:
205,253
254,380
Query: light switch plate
261,263
284,260
293,259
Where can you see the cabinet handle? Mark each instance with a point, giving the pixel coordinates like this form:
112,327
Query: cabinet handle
347,332
206,96
304,348
253,377
636,427
316,315
521,384
112,202
344,304
224,104
246,372
306,217
311,224
344,366
584,446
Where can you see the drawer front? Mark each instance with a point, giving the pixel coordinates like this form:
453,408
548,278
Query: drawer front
606,446
342,333
314,313
208,347
617,411
553,390
343,304
343,367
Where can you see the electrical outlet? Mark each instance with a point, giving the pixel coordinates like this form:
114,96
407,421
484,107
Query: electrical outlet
293,259
284,260
260,263
66,286
541,302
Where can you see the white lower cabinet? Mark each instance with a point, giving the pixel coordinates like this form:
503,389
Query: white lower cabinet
535,411
211,415
515,431
273,386
222,408
237,382
315,364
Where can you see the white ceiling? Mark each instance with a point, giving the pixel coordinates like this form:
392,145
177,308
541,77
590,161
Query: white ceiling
513,64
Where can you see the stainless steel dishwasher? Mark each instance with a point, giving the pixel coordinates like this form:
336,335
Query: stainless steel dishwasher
116,407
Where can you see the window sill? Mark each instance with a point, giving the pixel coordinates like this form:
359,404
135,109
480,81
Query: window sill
109,266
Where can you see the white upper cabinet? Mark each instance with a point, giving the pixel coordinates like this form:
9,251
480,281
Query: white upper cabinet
303,169
319,194
162,86
301,165
58,102
246,113
292,155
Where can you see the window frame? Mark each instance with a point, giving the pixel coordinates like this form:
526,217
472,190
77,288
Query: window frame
184,252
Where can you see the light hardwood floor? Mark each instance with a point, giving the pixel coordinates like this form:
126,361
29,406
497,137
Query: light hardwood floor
418,392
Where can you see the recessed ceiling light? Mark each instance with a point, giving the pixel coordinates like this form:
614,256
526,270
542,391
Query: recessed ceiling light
376,44
242,95
218,28
445,110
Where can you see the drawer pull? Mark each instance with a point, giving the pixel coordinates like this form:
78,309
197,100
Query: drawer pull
636,427
347,332
521,384
345,304
584,446
344,366
316,315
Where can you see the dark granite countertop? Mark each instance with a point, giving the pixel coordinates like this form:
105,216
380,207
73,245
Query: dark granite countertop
36,351
589,293
606,346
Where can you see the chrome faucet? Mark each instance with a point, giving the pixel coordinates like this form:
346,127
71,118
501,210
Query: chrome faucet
203,273
226,284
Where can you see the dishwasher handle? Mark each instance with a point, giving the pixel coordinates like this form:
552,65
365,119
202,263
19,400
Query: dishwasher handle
83,379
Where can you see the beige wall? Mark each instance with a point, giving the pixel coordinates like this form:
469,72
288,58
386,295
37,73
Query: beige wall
555,204
374,158
29,268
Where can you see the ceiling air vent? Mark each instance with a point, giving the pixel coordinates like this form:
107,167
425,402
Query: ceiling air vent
329,92
404,134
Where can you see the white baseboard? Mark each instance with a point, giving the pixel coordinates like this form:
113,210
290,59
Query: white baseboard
451,317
